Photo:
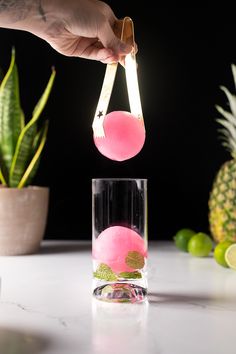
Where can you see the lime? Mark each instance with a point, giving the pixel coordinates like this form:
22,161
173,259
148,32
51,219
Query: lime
230,256
182,238
200,245
219,252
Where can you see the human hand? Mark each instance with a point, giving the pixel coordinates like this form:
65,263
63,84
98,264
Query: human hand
83,28
80,28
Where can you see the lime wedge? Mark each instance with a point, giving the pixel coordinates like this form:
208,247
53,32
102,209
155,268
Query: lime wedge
219,252
230,256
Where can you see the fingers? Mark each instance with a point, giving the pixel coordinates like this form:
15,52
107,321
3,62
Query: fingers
111,41
88,48
104,55
109,31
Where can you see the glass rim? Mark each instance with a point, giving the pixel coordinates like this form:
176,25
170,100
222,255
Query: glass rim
116,179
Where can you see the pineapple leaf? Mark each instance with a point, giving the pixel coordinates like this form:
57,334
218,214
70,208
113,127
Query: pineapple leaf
26,138
226,145
33,166
227,141
225,137
228,116
232,145
10,114
228,126
228,135
233,67
231,98
223,134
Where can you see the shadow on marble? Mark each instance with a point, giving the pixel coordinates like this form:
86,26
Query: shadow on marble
14,341
200,300
159,298
63,248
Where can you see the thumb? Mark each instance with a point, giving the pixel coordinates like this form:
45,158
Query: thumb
111,41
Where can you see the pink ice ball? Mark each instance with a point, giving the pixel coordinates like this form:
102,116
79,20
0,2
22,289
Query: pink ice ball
113,244
124,136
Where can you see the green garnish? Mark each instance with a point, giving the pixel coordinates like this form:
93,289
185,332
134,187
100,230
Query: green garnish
134,260
104,272
130,275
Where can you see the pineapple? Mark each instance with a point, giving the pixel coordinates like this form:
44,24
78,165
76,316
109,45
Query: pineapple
222,200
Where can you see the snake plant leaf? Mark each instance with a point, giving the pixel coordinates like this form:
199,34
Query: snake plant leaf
10,114
1,75
2,178
22,120
36,143
3,172
34,163
25,141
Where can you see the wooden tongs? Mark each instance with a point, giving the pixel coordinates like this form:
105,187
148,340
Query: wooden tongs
125,30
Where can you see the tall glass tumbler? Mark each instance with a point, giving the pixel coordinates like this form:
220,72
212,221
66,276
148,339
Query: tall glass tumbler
119,239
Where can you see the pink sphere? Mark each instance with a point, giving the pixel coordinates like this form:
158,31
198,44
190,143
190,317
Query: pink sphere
112,247
124,136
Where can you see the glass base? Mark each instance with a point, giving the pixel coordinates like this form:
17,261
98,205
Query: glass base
121,292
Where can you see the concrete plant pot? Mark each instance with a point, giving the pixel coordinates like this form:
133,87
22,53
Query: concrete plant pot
23,218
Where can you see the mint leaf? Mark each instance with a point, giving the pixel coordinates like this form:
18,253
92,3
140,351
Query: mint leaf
104,272
134,260
130,275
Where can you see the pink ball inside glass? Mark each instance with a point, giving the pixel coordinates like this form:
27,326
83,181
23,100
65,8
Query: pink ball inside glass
124,136
113,244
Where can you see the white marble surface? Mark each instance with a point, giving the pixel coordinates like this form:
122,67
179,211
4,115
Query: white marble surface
46,305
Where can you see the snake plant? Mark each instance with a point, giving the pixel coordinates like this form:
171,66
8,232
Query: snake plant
21,142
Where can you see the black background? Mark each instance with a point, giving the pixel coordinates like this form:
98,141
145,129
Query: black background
184,55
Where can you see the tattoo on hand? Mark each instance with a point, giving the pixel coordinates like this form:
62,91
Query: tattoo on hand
18,10
8,4
41,11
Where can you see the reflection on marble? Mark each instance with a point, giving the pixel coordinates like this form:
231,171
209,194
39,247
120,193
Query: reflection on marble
119,327
47,307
